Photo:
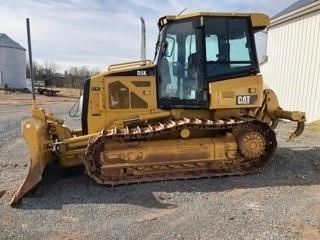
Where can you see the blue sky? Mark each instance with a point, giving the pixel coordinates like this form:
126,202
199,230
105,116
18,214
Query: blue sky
97,33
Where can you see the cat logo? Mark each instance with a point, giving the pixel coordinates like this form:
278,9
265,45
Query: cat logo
246,99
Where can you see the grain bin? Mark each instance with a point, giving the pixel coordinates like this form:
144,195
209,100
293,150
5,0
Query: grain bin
12,63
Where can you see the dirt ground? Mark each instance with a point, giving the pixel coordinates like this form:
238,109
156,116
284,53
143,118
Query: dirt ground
281,201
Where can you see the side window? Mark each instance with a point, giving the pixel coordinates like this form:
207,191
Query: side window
212,49
229,49
190,82
238,50
118,96
179,79
169,80
239,44
179,42
190,47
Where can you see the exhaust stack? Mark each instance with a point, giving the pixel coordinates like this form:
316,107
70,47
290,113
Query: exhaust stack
31,64
143,39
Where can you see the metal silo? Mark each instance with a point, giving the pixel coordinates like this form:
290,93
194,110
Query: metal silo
12,63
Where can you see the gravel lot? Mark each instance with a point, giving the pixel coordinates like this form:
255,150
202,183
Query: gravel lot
280,202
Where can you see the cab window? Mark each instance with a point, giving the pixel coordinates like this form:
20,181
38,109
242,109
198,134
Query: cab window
229,49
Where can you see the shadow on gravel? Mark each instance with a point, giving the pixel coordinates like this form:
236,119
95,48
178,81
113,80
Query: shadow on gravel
290,167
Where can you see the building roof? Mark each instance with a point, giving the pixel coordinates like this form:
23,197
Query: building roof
293,7
7,42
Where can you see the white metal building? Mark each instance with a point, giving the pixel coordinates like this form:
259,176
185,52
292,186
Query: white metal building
292,68
12,63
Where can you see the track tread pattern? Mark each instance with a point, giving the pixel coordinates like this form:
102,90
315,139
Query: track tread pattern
182,170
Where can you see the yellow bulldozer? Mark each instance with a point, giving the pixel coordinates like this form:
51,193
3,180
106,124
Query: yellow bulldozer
199,109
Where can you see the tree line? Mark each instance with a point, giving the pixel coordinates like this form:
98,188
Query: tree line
48,73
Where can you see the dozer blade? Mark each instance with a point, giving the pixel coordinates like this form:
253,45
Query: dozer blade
36,135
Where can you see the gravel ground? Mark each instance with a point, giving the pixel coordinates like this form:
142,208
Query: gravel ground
280,202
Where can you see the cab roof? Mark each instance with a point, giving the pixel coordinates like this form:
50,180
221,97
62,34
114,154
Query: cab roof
259,20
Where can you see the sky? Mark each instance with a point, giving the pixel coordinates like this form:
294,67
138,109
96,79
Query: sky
98,33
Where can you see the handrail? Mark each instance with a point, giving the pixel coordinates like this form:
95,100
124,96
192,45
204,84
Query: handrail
129,64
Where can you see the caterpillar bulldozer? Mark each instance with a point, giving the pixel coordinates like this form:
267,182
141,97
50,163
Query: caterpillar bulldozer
199,109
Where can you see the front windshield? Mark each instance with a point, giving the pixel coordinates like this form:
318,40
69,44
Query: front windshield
178,79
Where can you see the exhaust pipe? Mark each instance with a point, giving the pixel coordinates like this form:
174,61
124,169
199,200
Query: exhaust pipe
143,39
31,63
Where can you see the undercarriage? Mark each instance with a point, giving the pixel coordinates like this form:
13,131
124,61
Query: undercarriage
139,154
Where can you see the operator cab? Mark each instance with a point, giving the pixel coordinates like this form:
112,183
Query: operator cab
191,52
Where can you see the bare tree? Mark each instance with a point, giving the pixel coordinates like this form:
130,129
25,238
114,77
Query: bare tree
49,71
74,77
77,75
43,72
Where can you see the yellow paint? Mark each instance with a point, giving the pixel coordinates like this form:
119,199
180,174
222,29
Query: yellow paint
223,93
